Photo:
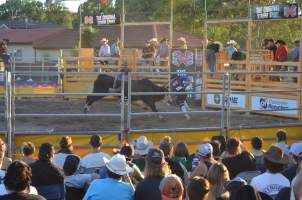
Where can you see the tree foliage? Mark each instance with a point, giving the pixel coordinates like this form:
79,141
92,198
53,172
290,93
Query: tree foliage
35,11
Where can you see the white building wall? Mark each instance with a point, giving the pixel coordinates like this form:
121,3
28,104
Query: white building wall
24,53
48,54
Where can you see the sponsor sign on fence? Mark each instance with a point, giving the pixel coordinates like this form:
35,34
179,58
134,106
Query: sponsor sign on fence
236,100
275,105
276,11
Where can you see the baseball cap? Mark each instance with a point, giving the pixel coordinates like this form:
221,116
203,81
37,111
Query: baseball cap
234,184
296,149
171,187
205,149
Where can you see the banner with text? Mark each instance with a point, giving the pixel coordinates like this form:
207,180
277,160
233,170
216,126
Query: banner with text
275,105
236,100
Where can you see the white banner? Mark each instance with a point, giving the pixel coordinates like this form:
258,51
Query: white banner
236,100
275,105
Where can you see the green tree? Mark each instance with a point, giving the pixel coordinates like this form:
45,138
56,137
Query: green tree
88,37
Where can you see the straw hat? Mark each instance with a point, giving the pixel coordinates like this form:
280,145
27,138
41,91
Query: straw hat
142,146
153,40
232,42
118,165
182,39
104,40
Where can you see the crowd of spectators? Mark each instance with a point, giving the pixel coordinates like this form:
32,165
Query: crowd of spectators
219,170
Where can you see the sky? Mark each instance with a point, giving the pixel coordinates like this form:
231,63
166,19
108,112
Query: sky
72,4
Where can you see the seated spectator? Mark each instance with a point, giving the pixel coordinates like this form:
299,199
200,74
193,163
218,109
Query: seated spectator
272,181
177,168
156,169
112,187
258,152
296,186
141,149
171,188
281,137
181,154
17,181
222,142
216,149
44,173
198,188
217,176
296,152
5,162
246,192
75,182
128,151
237,161
66,149
203,161
28,151
284,194
95,158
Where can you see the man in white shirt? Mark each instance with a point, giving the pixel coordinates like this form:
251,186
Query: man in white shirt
272,181
104,50
281,137
95,158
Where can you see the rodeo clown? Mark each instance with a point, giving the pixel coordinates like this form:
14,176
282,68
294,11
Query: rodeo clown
182,83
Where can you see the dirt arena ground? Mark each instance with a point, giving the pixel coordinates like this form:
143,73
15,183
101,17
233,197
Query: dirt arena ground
84,123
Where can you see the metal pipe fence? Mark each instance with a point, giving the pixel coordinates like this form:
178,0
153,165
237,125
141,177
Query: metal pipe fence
127,114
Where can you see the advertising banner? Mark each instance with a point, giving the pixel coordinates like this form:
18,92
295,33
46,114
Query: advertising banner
236,100
275,105
276,11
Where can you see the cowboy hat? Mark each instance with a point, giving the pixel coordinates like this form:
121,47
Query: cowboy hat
117,165
232,42
104,40
153,40
142,146
276,155
182,39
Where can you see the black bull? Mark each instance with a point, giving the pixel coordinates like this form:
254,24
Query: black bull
104,83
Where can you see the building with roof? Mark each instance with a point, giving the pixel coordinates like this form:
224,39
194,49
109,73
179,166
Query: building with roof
31,45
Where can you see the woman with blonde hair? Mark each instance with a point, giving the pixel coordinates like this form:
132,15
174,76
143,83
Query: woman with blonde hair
218,174
156,169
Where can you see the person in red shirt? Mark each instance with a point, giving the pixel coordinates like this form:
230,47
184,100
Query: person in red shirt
281,52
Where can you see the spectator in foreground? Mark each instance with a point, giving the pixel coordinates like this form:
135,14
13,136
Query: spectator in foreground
216,149
156,169
257,151
75,182
95,158
181,154
128,151
281,137
65,150
237,161
112,187
177,168
43,171
296,152
28,151
198,188
171,188
272,181
296,186
246,192
5,161
17,181
203,160
141,148
217,176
